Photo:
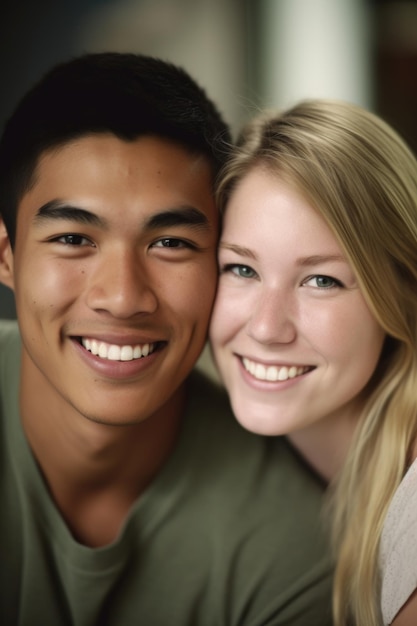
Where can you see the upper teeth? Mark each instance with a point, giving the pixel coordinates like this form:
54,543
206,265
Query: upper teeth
272,372
113,352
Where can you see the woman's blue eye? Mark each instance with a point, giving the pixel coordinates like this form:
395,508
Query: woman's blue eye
243,271
323,282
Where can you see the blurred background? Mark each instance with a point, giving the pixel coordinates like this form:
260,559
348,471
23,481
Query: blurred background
248,54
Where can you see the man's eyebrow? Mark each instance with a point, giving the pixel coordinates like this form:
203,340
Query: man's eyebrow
179,216
58,210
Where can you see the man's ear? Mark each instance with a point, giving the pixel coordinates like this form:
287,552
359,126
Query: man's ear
6,258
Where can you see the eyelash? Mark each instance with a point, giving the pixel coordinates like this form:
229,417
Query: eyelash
183,243
335,282
80,241
234,268
64,239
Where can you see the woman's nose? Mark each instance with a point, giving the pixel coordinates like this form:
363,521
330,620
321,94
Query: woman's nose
272,320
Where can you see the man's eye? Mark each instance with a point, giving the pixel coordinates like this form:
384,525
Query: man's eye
243,271
73,240
323,282
171,242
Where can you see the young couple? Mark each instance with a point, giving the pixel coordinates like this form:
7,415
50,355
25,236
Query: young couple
129,492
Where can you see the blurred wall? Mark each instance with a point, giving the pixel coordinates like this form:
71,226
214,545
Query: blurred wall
395,66
315,49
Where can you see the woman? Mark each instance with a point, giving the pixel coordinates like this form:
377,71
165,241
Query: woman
315,329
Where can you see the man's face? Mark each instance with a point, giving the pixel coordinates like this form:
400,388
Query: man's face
114,273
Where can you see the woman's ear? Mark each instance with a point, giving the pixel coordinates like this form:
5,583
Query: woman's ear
6,258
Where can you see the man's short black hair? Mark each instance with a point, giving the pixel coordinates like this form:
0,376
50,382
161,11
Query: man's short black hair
128,95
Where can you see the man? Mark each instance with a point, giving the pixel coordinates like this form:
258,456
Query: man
128,493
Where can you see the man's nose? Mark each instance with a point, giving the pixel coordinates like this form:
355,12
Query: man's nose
121,286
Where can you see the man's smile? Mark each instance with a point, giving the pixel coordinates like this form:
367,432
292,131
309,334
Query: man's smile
114,352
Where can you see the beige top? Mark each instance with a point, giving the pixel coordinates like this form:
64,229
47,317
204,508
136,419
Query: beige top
398,551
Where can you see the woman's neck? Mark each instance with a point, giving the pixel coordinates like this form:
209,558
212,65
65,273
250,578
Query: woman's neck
324,445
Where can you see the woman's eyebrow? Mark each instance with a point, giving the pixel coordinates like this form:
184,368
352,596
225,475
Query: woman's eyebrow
310,261
240,250
317,259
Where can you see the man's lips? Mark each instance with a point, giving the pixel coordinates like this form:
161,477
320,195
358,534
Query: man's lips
274,373
118,352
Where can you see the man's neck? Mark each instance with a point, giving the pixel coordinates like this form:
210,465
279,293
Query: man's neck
95,472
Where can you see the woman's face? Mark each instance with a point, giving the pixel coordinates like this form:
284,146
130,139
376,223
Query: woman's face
292,335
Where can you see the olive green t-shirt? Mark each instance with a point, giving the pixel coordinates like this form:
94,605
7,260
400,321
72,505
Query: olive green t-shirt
229,533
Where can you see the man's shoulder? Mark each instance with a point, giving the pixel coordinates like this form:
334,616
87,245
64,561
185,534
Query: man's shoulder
9,352
202,389
9,334
264,505
209,411
215,430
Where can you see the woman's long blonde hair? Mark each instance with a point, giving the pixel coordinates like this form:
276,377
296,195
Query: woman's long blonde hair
362,178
